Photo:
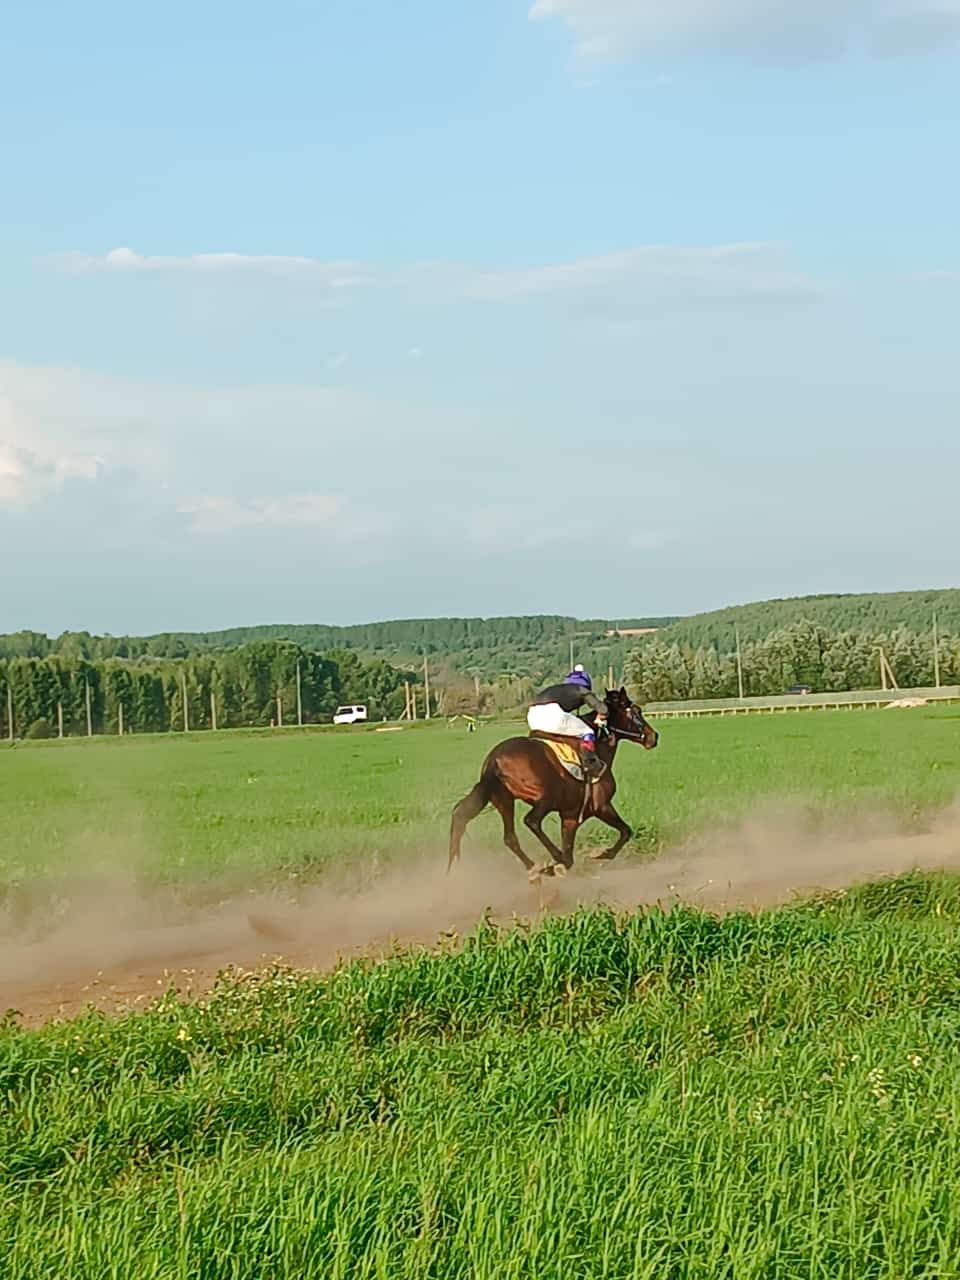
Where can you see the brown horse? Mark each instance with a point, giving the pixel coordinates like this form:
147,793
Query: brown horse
527,769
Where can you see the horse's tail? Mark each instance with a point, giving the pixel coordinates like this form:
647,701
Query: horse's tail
465,812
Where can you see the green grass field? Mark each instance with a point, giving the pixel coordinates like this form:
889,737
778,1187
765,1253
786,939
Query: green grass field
771,1095
258,806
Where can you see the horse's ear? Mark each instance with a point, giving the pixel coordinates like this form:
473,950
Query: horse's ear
623,691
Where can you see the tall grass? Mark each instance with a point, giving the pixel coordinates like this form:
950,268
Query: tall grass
600,1096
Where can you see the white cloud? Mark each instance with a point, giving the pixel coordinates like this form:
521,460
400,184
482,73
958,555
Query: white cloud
207,460
32,460
12,472
748,269
779,29
224,514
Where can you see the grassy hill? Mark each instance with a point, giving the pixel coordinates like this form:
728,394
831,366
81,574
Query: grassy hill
870,613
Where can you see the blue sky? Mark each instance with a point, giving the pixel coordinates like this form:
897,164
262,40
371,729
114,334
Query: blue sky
340,311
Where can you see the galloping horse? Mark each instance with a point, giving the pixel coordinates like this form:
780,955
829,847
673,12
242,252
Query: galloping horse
527,769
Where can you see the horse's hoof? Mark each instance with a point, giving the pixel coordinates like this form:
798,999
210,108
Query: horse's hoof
559,870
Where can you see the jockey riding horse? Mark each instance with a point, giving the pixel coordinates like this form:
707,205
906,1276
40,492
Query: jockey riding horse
553,714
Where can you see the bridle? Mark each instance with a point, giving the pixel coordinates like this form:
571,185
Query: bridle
626,733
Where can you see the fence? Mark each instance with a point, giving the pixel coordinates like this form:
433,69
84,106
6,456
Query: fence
860,699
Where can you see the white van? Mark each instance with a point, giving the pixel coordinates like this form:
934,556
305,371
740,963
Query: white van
350,715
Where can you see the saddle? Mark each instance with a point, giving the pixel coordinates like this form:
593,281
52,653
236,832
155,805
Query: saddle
565,751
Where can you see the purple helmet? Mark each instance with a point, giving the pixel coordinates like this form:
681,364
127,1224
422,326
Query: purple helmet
580,677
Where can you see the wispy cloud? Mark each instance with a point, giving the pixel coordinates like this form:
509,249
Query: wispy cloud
745,269
741,268
776,29
215,514
937,277
333,275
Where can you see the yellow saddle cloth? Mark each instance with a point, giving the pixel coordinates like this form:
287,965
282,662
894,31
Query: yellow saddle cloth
565,752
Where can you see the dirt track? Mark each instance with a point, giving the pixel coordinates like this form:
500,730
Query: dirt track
115,947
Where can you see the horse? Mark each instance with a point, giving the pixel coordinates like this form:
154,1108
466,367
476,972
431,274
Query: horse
527,769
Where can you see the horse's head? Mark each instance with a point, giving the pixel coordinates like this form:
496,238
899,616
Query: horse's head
626,720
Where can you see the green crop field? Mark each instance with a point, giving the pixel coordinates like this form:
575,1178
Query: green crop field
651,1095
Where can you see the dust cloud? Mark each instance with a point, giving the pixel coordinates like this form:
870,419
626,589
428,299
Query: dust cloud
113,942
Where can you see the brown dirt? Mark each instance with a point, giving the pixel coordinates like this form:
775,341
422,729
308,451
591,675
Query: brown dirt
116,947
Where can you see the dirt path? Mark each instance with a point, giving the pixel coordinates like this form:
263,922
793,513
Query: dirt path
115,948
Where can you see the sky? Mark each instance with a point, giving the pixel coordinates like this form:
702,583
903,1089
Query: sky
340,310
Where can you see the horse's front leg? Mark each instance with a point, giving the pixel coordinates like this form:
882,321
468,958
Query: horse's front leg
608,814
534,821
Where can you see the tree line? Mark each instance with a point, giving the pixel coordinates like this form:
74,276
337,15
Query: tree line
252,685
800,653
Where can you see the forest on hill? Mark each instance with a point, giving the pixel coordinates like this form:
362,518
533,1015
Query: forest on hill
865,614
249,676
483,648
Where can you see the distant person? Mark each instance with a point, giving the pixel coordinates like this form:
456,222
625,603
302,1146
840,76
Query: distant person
554,711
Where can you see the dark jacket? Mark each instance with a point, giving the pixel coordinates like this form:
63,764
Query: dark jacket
570,696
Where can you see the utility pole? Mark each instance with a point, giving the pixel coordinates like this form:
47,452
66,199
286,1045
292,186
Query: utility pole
59,719
120,718
889,680
936,652
9,707
279,711
426,689
739,664
299,697
86,696
213,711
183,698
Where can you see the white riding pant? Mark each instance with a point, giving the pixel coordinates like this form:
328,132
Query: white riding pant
551,718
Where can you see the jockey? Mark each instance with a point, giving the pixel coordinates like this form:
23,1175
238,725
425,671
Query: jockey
554,711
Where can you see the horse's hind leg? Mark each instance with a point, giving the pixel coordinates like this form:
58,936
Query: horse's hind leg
504,803
465,812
